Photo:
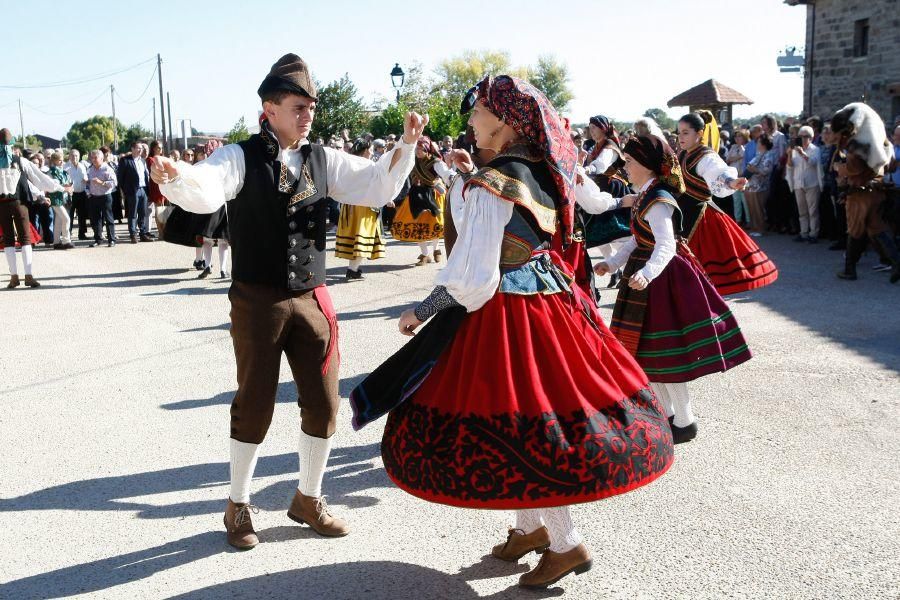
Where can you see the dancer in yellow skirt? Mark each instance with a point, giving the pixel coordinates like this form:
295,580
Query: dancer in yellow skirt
359,234
420,215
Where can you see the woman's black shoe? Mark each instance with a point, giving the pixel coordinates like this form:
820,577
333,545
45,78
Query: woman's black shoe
681,435
353,274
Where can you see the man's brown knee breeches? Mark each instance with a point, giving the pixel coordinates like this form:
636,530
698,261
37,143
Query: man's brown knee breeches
266,321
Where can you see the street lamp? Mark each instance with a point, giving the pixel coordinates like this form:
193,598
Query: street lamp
397,78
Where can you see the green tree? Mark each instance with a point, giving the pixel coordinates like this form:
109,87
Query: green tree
133,134
444,118
390,120
552,77
92,133
340,107
238,133
31,143
662,118
456,75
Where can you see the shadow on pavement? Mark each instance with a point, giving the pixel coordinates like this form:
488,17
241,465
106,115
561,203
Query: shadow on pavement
386,313
372,580
146,273
861,315
351,471
125,283
286,393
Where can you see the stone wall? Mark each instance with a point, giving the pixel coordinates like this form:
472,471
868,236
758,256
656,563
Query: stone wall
835,75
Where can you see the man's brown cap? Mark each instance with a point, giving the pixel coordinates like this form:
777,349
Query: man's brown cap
290,74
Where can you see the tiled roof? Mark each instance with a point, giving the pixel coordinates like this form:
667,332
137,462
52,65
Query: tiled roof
709,92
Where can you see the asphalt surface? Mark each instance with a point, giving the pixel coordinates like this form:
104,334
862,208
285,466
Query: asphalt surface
116,382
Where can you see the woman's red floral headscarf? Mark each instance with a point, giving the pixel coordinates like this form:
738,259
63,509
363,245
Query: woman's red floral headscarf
528,111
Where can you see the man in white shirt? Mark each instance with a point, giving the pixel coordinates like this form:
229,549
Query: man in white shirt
78,174
276,186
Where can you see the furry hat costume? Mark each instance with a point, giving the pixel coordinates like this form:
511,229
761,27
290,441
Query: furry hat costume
862,133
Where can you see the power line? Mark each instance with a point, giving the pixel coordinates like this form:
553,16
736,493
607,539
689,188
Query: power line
77,81
144,116
59,114
144,93
68,101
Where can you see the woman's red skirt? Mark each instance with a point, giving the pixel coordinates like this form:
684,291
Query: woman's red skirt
533,404
729,256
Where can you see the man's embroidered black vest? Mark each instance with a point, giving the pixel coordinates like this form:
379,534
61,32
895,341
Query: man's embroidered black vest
277,225
22,193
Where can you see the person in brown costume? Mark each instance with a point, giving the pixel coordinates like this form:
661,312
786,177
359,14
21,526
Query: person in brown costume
276,186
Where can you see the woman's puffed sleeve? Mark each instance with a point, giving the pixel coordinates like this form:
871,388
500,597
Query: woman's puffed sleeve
472,273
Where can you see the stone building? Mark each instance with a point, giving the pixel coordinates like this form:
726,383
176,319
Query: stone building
852,54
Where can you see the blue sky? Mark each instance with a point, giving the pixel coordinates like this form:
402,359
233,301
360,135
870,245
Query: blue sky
624,56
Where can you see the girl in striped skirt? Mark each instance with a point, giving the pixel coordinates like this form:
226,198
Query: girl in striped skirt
669,315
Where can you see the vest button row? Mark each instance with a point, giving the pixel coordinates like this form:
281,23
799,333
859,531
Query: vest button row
292,276
293,244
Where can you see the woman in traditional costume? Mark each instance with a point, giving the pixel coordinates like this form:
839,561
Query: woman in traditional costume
552,410
604,166
420,215
733,261
669,316
359,234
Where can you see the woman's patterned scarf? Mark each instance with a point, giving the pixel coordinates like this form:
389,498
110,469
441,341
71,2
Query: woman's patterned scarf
612,135
528,111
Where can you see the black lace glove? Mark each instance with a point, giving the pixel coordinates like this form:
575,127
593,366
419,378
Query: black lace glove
437,300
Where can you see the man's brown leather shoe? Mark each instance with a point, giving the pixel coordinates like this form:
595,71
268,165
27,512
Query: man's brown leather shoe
238,525
518,544
553,566
314,512
13,282
30,281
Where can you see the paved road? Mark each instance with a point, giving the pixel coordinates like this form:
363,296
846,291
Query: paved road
118,373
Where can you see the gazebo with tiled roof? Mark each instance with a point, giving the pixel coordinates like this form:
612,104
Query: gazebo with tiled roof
713,96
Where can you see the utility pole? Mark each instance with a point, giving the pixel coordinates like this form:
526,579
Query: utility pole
154,117
162,112
21,123
169,110
112,97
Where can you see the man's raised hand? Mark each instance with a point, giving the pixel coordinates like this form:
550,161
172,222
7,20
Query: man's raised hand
413,126
163,170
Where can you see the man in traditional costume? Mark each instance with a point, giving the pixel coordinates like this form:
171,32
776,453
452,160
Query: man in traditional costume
15,197
863,141
552,410
275,186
